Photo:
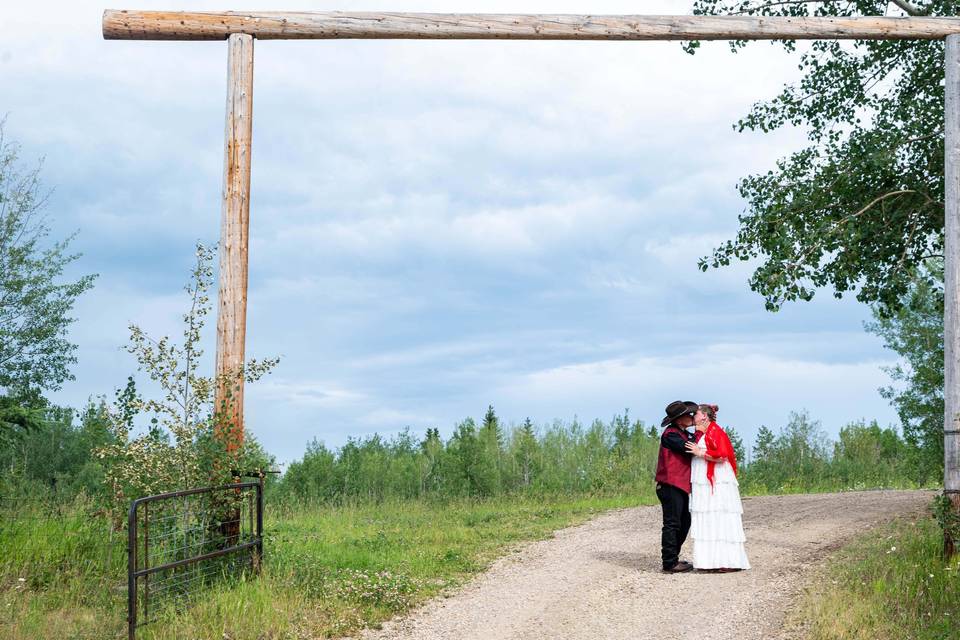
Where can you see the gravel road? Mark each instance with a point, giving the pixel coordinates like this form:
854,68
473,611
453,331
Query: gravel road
601,579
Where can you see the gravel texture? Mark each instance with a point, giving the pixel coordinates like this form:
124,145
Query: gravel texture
602,579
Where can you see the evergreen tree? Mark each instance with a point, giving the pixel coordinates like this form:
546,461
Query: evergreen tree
432,450
491,443
526,452
491,428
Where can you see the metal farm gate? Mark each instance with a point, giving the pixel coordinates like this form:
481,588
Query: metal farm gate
182,542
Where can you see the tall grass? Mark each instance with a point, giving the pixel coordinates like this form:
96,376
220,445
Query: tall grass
62,568
329,570
892,584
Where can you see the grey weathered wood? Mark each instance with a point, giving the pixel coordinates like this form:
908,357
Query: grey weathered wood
951,310
267,25
234,238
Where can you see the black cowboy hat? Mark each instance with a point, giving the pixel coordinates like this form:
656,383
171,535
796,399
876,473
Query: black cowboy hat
679,408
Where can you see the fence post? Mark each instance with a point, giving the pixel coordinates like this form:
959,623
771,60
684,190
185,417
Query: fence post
259,559
131,570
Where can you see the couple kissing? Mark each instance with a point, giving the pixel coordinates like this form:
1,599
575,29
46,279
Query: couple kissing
699,493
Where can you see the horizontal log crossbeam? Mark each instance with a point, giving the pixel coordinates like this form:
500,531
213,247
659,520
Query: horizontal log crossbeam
277,25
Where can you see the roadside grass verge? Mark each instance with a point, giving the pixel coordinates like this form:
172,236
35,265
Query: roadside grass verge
890,584
328,571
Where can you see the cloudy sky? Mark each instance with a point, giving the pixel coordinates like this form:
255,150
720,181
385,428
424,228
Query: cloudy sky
435,226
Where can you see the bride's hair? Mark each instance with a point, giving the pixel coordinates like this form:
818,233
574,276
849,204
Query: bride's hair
710,410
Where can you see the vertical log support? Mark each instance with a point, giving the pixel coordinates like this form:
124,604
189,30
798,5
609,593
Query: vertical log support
951,310
234,241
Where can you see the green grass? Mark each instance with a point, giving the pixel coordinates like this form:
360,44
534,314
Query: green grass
891,584
328,571
60,573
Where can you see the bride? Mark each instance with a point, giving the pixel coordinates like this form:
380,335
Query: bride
715,508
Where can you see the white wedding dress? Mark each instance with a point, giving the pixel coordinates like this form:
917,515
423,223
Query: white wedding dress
716,518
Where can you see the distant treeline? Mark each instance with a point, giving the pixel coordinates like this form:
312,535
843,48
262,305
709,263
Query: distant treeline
616,456
57,459
482,460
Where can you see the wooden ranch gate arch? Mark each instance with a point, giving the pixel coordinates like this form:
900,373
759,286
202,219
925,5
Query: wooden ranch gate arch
240,29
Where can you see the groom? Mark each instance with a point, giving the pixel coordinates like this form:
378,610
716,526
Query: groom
673,483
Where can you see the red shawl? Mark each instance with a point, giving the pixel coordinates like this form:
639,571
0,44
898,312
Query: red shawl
718,446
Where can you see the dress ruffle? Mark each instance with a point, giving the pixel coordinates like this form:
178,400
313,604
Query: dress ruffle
719,498
716,523
719,554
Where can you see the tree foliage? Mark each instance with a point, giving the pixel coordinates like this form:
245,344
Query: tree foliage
915,333
557,458
180,448
738,449
568,458
35,299
19,416
800,457
56,457
861,207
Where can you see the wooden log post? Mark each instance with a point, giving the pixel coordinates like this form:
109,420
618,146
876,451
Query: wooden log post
234,241
951,301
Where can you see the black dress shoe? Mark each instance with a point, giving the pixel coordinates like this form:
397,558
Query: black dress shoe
680,567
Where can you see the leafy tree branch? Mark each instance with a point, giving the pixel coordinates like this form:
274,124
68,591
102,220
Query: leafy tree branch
860,208
35,301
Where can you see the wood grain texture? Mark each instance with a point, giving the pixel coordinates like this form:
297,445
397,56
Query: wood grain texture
234,239
951,250
273,25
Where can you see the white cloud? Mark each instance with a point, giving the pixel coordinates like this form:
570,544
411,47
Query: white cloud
307,393
752,388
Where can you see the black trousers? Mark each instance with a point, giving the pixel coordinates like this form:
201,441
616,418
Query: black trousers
676,522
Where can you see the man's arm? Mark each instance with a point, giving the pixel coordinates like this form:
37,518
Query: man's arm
675,442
